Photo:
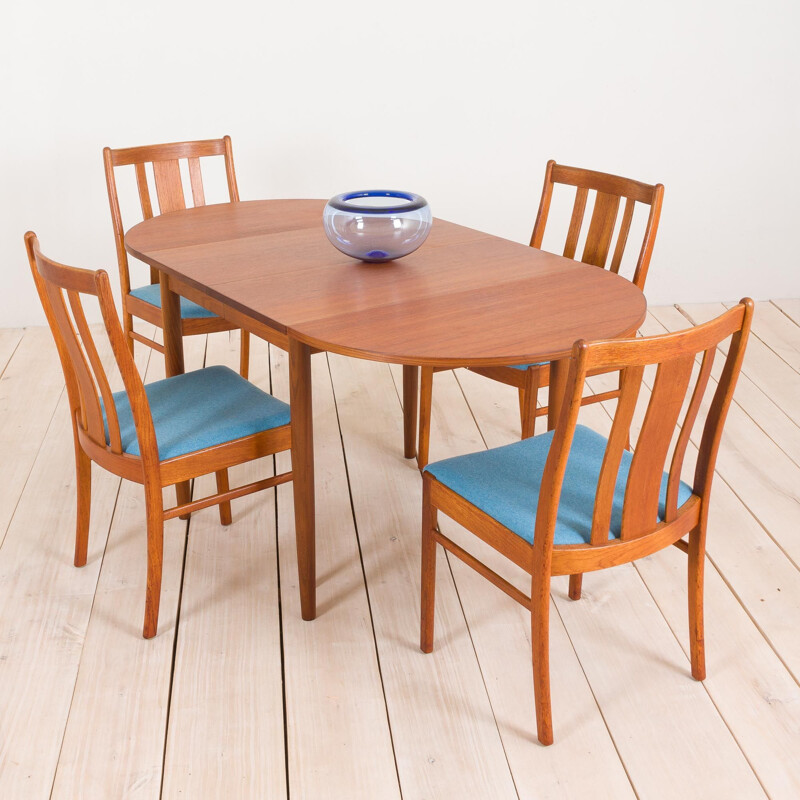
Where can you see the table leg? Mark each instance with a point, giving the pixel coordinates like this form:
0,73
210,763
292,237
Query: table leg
173,334
558,383
173,358
303,473
410,399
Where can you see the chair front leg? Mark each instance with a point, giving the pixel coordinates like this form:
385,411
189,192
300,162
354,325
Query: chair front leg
540,642
244,355
428,583
223,485
528,397
425,404
127,327
83,478
575,582
697,552
410,387
155,555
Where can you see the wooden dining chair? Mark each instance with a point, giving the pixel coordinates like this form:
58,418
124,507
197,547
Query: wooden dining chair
570,500
157,434
609,191
144,302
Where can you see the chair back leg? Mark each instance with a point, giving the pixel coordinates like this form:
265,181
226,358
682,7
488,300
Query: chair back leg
83,478
528,397
244,355
697,553
425,403
155,555
428,583
540,643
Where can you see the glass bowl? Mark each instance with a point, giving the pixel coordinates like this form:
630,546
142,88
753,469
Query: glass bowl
377,224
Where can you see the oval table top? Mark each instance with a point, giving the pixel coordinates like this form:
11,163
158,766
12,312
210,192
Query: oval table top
464,298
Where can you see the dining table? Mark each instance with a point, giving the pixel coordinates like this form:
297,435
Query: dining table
464,298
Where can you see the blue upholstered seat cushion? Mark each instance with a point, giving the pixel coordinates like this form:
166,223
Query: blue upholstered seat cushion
525,366
152,294
200,409
505,481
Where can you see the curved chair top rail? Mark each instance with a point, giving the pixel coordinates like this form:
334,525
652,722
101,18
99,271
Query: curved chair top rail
610,190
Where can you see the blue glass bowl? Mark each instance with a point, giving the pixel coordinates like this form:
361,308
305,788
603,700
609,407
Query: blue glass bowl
377,225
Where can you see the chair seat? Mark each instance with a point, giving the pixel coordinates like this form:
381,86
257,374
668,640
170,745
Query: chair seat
152,294
525,366
505,481
200,409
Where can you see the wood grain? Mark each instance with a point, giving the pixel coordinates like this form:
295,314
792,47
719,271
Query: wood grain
438,306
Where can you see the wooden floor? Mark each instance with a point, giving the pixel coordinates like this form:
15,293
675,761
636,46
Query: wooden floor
237,697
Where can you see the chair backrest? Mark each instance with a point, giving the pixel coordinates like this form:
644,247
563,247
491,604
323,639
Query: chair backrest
169,190
60,288
610,190
674,354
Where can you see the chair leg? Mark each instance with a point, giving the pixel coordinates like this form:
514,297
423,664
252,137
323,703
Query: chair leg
155,555
83,474
244,354
697,551
223,486
575,582
540,641
183,495
527,402
410,399
428,591
127,327
425,401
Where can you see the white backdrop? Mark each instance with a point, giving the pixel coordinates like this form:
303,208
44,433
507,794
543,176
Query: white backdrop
463,102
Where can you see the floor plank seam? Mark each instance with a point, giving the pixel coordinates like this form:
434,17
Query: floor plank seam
752,619
788,316
480,670
280,601
364,573
174,654
709,555
91,610
12,353
703,682
596,701
33,463
177,623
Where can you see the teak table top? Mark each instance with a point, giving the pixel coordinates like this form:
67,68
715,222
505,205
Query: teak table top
463,298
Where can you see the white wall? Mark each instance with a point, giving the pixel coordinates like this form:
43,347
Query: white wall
463,102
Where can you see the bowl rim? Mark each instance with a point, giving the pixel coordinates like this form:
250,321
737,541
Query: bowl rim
341,202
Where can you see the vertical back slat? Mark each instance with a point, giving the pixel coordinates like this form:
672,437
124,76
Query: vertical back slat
144,190
622,237
576,222
601,229
99,373
196,179
640,508
686,429
169,187
630,383
91,416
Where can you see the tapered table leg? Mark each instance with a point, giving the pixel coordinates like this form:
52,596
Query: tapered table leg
303,473
173,358
558,383
410,398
